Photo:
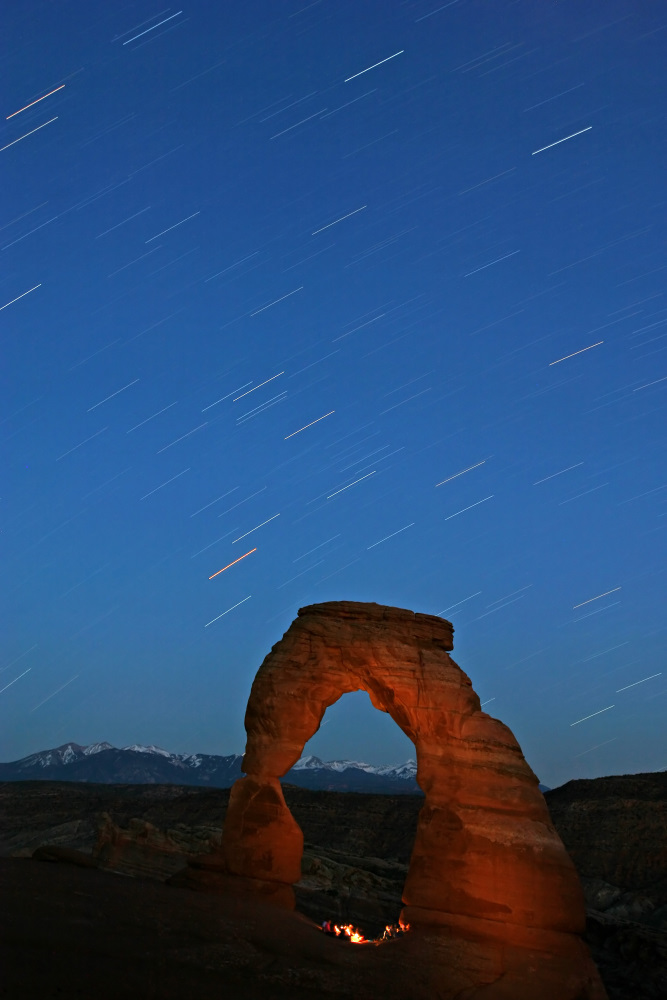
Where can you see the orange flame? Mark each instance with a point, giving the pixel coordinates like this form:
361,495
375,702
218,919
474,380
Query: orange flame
355,936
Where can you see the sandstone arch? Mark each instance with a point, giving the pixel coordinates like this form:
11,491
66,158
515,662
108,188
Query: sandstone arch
487,866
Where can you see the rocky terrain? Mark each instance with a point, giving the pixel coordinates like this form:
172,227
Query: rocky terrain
615,831
357,852
63,813
355,861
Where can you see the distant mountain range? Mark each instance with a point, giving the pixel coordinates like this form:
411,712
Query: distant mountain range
102,763
105,764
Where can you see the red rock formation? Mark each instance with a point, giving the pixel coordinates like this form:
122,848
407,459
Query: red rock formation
489,880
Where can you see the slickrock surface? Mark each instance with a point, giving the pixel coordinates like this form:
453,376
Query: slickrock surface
489,878
70,932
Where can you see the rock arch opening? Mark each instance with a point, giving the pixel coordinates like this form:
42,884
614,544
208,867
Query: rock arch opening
356,855
354,730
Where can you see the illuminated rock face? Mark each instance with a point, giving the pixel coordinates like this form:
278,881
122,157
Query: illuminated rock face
488,868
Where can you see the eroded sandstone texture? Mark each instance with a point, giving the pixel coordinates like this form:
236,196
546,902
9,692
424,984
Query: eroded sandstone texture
490,885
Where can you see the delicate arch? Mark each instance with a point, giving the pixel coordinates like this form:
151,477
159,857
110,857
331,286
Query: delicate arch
485,848
494,899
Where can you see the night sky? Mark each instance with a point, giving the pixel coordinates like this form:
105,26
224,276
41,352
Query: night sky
364,298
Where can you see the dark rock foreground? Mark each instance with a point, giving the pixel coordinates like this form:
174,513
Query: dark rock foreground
66,931
138,937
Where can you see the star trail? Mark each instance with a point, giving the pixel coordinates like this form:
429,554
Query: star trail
308,259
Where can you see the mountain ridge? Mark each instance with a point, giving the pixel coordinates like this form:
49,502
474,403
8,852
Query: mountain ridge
149,764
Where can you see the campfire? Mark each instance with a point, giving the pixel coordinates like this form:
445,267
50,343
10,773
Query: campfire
356,936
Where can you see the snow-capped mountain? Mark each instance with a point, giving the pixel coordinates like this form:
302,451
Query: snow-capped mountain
149,749
66,754
406,772
138,764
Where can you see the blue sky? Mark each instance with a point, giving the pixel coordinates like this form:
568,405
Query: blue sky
369,294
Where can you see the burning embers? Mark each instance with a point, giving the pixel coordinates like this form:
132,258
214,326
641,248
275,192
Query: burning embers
352,934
